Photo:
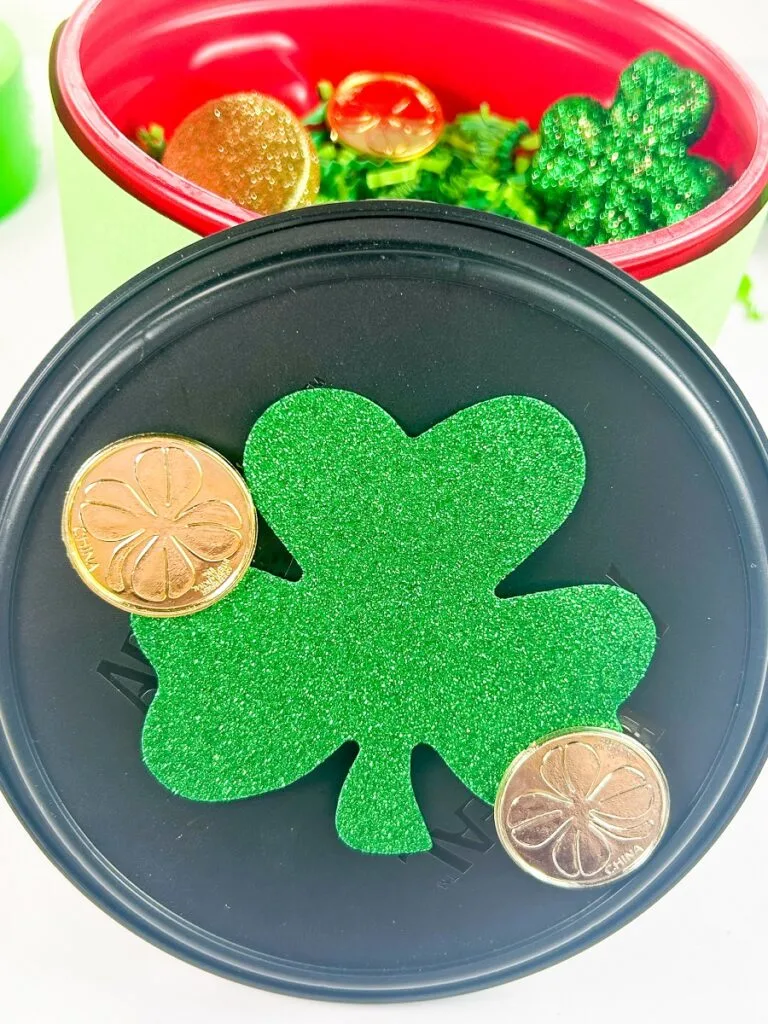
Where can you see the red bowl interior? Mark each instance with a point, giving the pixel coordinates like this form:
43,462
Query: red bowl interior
118,66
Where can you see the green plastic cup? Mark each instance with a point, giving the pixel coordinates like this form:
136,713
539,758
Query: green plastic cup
18,156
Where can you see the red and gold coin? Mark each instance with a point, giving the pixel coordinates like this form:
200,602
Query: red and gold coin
248,148
390,116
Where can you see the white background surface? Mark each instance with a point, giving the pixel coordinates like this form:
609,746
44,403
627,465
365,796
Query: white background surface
699,954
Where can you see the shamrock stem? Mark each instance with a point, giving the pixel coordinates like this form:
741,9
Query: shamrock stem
377,810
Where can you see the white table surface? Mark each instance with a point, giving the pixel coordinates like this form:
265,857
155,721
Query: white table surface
699,954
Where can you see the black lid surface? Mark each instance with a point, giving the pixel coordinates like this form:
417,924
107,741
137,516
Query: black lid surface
425,310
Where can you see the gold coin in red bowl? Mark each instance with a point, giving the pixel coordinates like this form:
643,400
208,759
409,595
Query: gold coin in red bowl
248,148
389,116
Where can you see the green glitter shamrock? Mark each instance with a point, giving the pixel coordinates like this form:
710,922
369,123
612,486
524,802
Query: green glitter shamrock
393,636
607,175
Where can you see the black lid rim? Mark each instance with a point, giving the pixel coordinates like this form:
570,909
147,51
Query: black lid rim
50,824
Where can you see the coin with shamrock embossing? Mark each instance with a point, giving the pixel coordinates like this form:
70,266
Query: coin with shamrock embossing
582,808
159,525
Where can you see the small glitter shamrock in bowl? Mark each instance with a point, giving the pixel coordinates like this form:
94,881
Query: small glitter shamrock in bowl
393,636
611,174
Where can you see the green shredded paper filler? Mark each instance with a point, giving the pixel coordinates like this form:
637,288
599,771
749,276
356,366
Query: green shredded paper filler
393,636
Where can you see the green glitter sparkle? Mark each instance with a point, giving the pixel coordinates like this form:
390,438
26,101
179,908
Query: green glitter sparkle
393,636
608,175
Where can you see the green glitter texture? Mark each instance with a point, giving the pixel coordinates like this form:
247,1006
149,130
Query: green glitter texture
393,636
609,175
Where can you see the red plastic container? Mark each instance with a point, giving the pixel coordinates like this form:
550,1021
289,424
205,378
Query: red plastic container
120,65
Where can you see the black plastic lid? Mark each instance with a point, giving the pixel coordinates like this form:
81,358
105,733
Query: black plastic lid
425,310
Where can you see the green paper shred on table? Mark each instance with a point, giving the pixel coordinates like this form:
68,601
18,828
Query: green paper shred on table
480,162
747,302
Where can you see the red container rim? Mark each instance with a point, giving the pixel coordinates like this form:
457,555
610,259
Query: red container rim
204,212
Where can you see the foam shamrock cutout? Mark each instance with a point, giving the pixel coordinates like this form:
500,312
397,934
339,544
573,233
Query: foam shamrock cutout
612,174
393,636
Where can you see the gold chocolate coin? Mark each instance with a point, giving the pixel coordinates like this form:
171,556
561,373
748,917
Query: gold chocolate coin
583,808
159,525
248,148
